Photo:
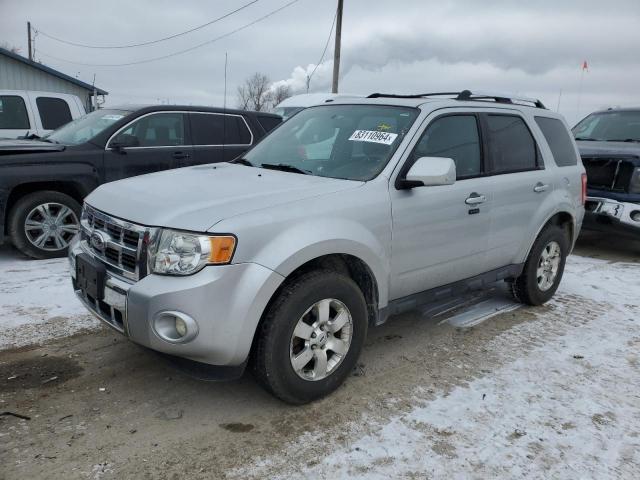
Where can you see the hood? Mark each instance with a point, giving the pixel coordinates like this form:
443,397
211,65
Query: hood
589,148
196,198
13,146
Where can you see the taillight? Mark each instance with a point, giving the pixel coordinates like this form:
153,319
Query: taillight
584,189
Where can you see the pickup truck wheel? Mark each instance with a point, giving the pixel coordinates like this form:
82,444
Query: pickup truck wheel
544,267
42,224
311,337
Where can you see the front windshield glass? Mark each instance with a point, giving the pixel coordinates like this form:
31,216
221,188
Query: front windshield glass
352,142
620,126
85,128
286,112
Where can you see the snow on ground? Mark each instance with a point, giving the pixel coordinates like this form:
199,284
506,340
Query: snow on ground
570,408
37,302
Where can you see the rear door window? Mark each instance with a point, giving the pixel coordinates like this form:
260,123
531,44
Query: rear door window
213,128
559,141
511,145
13,113
237,132
54,112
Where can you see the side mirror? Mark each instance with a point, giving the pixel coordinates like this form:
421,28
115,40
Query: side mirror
431,171
124,140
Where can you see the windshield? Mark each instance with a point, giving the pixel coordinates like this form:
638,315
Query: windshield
620,126
352,142
286,112
85,128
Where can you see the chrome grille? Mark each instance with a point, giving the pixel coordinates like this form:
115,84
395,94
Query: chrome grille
121,245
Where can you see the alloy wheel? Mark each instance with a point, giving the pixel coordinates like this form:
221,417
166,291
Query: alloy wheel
321,339
51,226
548,265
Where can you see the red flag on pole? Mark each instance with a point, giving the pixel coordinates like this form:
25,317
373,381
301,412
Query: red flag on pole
585,66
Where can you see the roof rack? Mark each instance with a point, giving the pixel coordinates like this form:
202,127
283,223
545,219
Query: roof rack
468,95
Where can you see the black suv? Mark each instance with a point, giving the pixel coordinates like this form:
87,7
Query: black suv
43,180
609,143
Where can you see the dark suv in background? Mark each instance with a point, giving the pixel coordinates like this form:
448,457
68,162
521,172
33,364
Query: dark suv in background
43,181
609,143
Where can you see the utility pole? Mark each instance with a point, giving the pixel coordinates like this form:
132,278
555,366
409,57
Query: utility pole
336,50
29,37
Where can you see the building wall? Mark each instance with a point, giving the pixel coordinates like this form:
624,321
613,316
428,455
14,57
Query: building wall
16,75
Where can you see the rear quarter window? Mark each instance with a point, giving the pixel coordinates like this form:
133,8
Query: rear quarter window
54,112
557,136
268,122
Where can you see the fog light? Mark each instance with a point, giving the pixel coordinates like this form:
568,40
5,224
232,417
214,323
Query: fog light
635,215
181,327
175,327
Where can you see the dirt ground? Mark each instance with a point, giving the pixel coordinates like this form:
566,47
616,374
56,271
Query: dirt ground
102,407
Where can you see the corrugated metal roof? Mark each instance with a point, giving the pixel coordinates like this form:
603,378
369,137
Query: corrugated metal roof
50,71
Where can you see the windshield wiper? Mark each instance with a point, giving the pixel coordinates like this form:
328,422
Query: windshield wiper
242,161
283,167
585,139
625,140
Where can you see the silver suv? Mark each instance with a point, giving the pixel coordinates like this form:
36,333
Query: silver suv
348,213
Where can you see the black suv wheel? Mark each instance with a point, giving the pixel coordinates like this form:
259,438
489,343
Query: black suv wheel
42,224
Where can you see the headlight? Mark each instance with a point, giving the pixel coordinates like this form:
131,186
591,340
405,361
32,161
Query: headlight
180,253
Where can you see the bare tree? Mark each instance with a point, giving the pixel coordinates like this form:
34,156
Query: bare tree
280,93
255,94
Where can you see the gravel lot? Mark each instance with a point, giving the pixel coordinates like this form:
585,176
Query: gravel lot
546,392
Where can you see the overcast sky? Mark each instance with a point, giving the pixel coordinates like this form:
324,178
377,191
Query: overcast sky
534,48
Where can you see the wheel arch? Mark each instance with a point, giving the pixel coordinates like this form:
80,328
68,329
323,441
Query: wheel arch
73,189
564,220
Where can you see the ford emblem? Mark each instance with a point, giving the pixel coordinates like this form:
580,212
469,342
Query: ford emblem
98,241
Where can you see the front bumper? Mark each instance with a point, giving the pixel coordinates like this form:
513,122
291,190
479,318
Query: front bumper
607,215
226,302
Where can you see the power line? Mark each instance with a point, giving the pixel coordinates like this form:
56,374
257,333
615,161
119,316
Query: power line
180,52
326,45
151,42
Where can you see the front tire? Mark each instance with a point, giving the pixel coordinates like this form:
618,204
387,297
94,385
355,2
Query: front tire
311,337
42,224
544,267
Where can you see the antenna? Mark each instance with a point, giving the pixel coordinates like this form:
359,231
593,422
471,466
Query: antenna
224,108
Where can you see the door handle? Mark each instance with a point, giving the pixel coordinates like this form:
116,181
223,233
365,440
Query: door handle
180,155
540,187
475,199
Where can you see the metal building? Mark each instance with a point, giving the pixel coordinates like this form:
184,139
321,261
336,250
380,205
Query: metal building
20,73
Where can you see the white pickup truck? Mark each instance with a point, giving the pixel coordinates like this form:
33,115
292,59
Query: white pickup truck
23,112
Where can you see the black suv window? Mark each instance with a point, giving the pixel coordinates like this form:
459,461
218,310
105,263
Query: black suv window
456,137
209,129
54,112
559,141
156,130
237,131
13,112
511,145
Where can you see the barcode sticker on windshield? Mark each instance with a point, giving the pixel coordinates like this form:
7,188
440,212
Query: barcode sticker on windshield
373,136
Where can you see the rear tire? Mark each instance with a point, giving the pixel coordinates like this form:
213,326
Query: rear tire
302,323
544,267
42,224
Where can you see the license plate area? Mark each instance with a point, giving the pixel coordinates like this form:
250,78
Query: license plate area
90,276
